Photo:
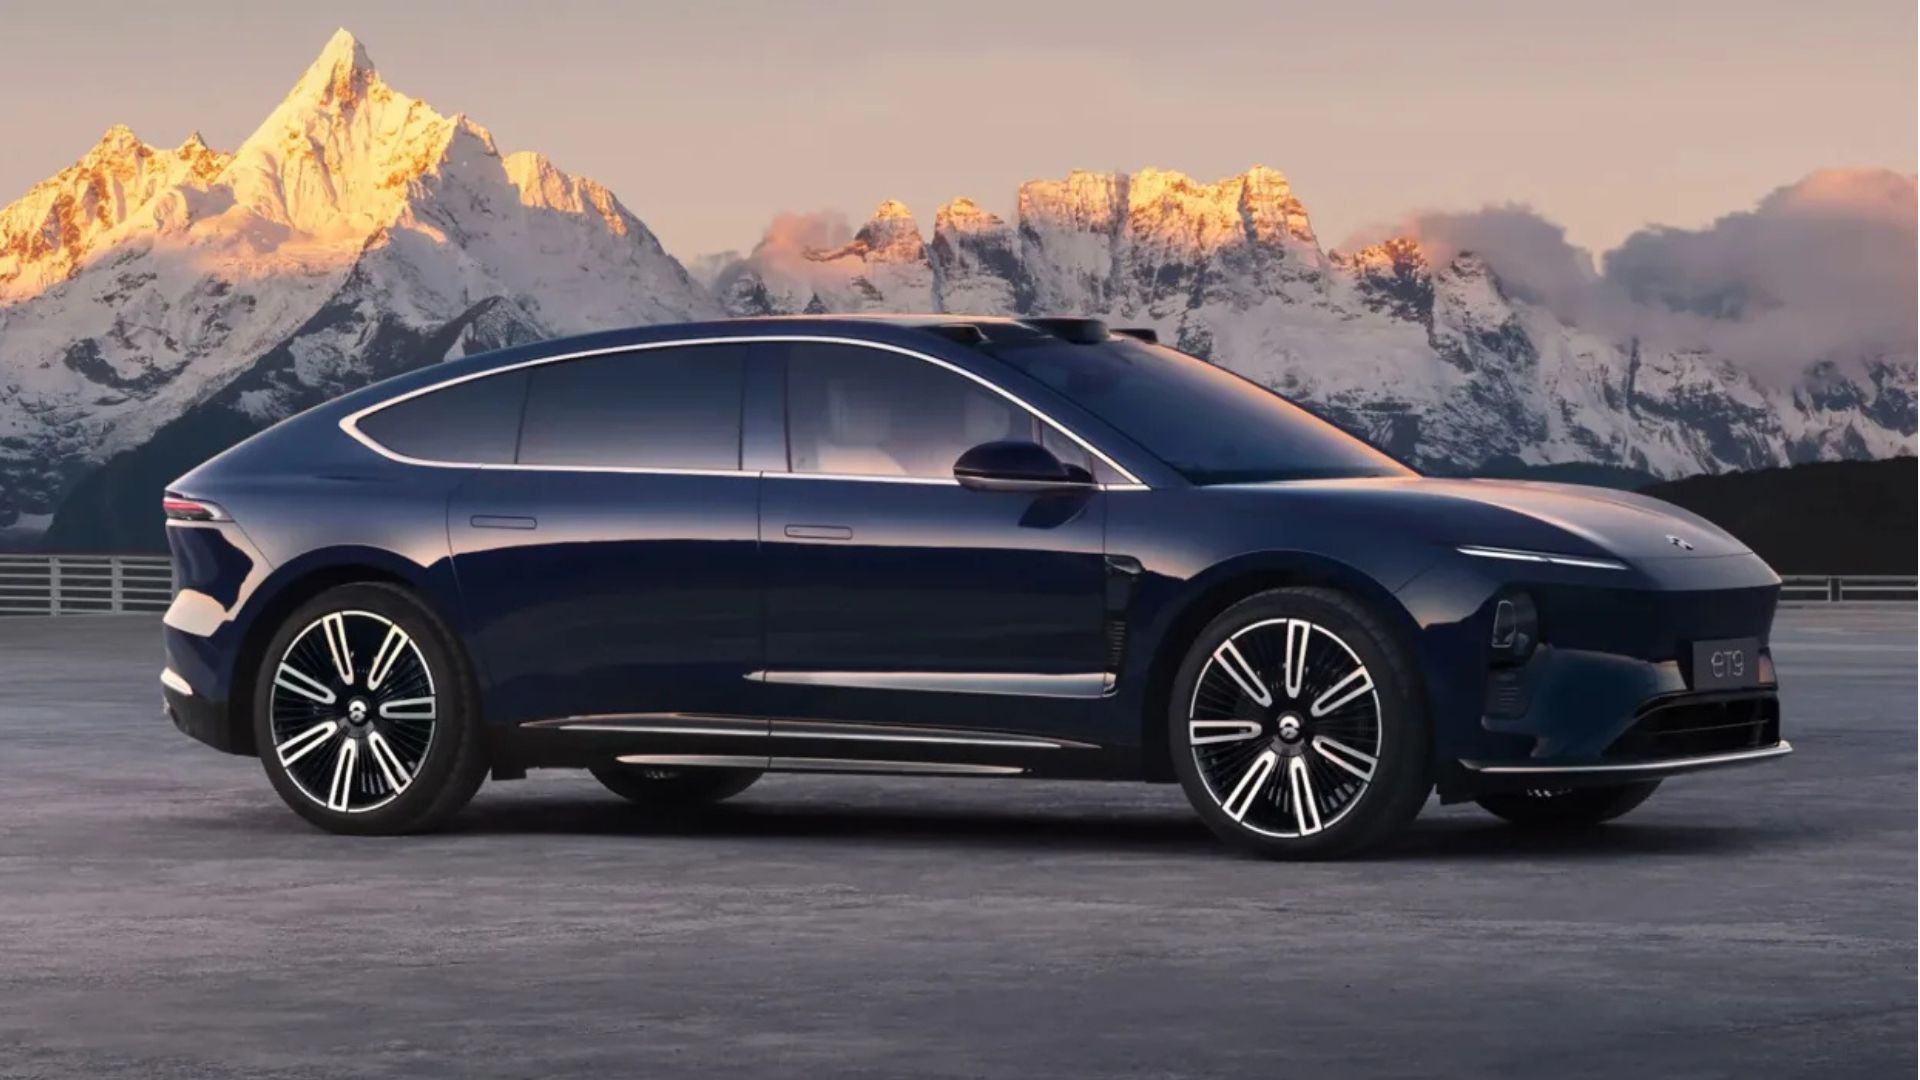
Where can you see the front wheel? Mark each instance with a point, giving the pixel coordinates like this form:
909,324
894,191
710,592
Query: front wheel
364,715
1566,808
1297,729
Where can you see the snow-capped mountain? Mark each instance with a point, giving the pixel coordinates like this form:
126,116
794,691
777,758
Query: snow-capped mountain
157,305
166,302
1440,364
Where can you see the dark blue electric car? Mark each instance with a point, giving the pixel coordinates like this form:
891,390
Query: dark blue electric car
683,556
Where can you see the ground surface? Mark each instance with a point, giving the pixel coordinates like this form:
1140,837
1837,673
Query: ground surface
162,915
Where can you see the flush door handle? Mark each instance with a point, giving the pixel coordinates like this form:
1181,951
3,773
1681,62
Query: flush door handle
503,521
819,532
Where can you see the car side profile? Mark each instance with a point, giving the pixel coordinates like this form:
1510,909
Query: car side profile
683,556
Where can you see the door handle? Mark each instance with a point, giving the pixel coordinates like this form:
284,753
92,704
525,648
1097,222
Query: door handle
502,521
819,532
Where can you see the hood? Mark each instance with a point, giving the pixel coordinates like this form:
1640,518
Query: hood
1528,515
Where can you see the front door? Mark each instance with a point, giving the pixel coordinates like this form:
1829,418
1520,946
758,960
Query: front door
896,597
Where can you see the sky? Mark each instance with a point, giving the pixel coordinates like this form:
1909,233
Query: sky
707,119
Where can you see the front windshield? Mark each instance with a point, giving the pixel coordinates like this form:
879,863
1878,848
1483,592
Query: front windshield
1211,425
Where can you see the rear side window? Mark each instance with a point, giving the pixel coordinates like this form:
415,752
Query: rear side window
474,422
670,408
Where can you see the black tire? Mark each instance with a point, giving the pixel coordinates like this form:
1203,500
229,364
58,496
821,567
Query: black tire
661,788
407,773
1566,808
1350,805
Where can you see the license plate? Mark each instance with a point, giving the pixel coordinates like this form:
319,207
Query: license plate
1728,664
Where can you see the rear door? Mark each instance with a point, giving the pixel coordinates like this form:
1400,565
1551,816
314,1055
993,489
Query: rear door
612,572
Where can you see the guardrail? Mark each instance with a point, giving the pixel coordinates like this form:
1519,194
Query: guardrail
84,584
117,584
1839,587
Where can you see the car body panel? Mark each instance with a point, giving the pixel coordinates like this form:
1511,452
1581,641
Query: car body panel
912,603
750,613
588,593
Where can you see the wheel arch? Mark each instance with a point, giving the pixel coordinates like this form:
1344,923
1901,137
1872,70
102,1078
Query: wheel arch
293,585
1220,587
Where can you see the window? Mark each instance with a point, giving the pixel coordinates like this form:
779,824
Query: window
1210,424
472,422
866,412
1073,454
668,408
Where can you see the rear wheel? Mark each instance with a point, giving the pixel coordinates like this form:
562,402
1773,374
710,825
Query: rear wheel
664,788
1297,729
1566,808
364,715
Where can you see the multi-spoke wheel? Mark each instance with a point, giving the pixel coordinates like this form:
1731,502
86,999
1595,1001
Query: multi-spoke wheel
361,714
662,788
1566,808
1295,729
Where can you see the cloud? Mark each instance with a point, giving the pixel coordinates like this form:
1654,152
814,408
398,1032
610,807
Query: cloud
791,234
1820,269
781,252
1529,254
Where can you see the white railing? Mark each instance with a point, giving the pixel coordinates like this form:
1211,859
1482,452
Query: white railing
1839,587
84,584
115,584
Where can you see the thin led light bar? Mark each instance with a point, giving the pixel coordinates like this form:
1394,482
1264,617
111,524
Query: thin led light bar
1511,554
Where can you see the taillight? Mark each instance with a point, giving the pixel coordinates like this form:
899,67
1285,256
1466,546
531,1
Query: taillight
179,509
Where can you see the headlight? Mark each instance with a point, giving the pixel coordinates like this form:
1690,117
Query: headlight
1515,555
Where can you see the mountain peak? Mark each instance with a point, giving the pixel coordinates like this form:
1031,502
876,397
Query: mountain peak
343,48
118,141
339,76
966,215
891,235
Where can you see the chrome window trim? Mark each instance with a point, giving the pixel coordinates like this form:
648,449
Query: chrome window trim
351,422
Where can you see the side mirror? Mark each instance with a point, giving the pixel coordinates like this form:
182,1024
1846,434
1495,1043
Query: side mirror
1014,465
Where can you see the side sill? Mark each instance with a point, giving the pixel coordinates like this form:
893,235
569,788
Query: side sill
826,765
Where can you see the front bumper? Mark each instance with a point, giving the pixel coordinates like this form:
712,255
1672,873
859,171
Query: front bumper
1607,696
1596,719
1528,774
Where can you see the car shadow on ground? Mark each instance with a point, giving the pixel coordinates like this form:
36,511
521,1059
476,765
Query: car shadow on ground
1133,831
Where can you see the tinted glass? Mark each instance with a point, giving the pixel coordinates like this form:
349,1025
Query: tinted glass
1072,453
1210,424
474,422
865,412
674,408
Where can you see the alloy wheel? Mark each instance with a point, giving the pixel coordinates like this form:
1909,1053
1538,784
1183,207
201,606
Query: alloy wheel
1285,727
353,711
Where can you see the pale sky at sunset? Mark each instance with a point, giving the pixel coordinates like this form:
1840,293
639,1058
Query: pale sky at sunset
707,119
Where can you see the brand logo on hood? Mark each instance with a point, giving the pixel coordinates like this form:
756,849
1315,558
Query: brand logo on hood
1679,543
